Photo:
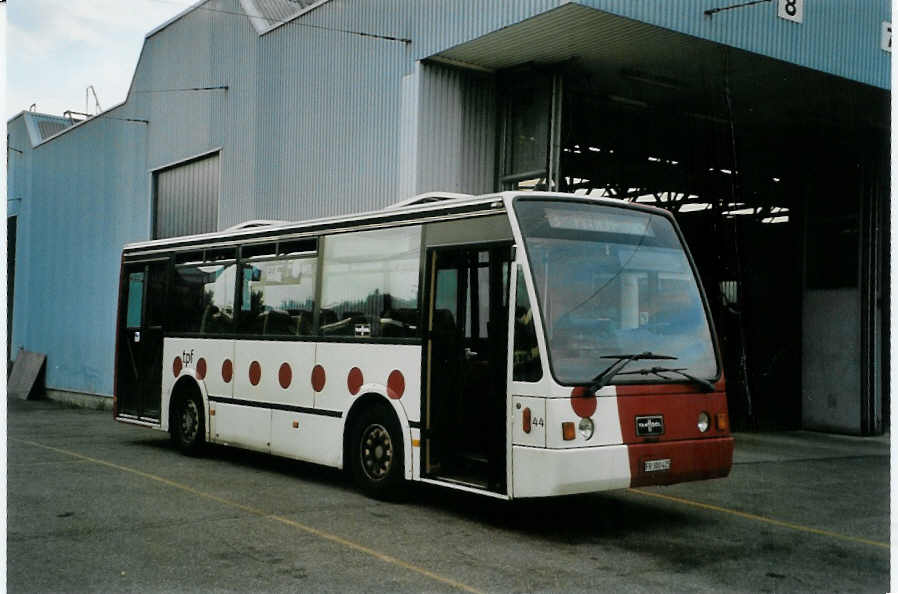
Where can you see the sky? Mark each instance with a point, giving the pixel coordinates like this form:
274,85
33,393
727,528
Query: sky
57,48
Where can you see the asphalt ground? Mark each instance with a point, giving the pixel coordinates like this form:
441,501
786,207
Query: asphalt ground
97,506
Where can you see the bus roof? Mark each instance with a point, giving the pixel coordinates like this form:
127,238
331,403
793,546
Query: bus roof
433,206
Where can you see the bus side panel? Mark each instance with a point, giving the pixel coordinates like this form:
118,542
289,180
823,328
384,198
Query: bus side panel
528,422
239,425
309,437
353,369
209,361
274,372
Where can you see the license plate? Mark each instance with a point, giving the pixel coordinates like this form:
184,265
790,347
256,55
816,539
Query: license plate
656,465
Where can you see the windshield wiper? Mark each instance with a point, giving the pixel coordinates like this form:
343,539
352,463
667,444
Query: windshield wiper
660,371
603,378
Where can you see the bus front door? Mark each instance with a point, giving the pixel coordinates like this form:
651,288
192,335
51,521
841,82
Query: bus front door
139,389
464,408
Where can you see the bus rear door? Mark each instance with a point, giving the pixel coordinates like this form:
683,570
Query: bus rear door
139,384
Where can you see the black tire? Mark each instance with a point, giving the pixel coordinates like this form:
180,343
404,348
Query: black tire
188,424
376,455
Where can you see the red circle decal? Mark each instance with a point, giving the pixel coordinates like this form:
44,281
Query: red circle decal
255,373
176,367
354,381
227,371
285,375
318,378
395,385
584,404
201,369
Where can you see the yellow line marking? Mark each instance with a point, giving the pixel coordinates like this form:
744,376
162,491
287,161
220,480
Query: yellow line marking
263,514
772,521
30,464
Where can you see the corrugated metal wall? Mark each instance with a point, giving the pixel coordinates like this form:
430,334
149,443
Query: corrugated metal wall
839,37
456,131
408,135
173,88
87,197
314,117
186,198
447,132
18,165
328,143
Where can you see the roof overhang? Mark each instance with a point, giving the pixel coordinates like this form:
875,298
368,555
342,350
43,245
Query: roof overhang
650,65
564,33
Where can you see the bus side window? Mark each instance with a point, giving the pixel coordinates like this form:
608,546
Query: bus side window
202,298
526,366
278,297
135,300
369,284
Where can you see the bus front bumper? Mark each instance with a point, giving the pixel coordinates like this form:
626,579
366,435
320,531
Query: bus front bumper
539,472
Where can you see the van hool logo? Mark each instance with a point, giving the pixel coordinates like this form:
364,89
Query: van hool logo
651,425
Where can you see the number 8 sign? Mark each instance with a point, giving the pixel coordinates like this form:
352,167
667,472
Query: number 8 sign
791,10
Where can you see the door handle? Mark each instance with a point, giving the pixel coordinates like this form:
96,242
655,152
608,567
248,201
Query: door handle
469,354
137,336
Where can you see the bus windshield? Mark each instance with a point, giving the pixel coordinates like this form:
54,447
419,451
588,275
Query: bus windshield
613,281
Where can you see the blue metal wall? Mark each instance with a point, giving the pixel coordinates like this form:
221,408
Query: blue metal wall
321,115
81,208
18,167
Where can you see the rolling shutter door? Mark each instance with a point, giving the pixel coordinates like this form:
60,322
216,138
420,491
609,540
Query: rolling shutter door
187,198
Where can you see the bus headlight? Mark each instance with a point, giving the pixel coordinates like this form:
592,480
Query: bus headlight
587,428
704,421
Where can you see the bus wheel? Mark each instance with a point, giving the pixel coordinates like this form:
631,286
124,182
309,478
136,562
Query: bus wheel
188,426
376,455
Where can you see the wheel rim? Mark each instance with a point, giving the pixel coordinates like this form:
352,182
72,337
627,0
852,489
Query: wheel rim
190,421
376,452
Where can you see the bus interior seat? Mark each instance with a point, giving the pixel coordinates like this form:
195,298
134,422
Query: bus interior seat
206,322
399,323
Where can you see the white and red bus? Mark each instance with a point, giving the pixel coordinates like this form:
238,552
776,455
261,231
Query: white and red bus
514,345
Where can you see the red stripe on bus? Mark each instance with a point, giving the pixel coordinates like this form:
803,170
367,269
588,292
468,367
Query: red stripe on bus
689,460
679,411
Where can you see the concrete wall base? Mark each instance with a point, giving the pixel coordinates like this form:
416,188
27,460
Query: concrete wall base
80,399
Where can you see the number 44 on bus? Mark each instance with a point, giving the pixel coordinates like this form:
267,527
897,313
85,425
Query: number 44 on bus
513,345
